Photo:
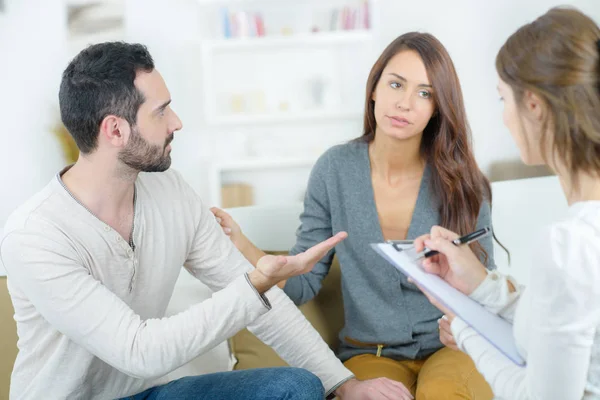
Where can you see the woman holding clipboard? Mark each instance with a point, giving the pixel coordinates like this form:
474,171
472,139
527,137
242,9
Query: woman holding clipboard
549,74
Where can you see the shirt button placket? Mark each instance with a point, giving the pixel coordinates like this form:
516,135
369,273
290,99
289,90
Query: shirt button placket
133,266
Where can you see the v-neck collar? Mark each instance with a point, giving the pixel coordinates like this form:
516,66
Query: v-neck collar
131,240
370,194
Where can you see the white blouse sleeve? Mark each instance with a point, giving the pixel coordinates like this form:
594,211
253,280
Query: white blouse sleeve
564,315
495,295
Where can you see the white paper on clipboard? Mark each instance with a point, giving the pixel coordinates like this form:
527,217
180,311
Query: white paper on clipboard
490,326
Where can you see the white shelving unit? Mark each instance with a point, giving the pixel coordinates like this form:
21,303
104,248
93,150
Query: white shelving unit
248,165
282,85
304,39
279,117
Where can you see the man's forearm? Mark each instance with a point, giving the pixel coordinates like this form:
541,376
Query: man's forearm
253,254
260,281
288,332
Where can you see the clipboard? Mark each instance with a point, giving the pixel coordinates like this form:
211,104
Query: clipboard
490,326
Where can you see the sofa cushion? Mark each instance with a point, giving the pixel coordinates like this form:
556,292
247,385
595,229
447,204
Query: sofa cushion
325,312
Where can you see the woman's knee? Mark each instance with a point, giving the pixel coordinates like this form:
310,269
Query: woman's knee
440,389
447,388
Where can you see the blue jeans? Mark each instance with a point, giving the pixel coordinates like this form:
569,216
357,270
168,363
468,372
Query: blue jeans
254,384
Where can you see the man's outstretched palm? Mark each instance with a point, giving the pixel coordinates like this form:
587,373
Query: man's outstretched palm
284,267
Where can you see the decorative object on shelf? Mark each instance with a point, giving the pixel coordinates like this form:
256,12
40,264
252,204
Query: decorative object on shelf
251,102
237,195
93,21
67,144
284,106
94,17
256,102
238,103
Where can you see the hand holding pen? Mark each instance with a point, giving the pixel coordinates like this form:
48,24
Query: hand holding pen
467,239
445,254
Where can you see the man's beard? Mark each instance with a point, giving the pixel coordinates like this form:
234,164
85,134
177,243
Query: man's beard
142,156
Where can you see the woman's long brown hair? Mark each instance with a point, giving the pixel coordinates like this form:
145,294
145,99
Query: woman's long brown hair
457,180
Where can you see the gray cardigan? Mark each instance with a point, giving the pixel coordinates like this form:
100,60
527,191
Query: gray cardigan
380,306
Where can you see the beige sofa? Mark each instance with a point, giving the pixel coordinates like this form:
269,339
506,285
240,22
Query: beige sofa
8,339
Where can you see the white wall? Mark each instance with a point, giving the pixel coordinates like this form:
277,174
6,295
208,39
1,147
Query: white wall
32,37
177,55
179,64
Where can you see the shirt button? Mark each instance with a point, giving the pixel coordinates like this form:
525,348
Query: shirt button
119,239
494,276
106,228
129,251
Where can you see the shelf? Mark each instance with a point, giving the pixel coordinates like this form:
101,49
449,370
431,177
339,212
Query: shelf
81,3
252,165
264,163
306,116
307,39
224,3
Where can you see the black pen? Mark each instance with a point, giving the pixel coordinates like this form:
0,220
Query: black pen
469,238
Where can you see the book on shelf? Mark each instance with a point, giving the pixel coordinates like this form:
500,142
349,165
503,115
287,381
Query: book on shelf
243,23
240,24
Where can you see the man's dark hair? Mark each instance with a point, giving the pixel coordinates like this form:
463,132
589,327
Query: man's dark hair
99,82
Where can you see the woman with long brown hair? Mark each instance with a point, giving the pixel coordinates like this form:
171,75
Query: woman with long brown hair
549,80
412,168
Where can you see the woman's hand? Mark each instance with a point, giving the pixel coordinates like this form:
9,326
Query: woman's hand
230,227
457,265
446,335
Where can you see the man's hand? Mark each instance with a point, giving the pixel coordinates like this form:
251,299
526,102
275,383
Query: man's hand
373,389
279,268
271,270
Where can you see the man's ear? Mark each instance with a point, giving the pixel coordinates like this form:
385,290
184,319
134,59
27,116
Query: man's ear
114,130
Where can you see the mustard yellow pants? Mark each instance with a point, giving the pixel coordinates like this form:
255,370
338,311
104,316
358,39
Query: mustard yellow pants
445,375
